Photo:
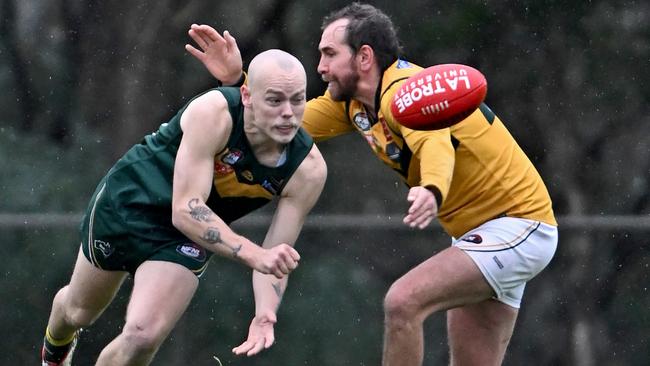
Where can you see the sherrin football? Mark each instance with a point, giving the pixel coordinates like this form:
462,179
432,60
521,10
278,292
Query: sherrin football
439,96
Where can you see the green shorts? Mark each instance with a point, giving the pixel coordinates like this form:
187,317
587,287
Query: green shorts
121,230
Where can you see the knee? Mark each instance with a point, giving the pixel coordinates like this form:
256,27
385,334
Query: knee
399,306
141,340
81,318
75,314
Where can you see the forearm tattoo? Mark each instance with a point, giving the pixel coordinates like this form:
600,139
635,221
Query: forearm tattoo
199,212
278,289
213,236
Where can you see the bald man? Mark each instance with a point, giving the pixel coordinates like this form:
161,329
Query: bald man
165,207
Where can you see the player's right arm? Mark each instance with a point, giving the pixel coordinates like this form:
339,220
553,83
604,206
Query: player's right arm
219,54
206,125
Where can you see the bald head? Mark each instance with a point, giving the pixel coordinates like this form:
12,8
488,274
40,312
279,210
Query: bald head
276,63
274,98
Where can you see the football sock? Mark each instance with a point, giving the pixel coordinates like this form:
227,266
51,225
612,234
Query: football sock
58,342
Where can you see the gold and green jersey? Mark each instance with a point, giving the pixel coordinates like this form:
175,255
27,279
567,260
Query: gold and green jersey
477,166
142,179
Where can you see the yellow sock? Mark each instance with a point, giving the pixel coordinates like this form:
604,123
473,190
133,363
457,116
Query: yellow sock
58,342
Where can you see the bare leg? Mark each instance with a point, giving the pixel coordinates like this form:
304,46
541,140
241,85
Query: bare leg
446,280
84,299
161,293
479,333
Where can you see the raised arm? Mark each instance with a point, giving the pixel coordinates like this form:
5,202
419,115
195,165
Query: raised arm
298,198
206,126
219,54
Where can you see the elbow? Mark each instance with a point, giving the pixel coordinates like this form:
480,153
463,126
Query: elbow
177,217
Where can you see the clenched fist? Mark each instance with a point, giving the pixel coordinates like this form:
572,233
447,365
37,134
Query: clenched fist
278,261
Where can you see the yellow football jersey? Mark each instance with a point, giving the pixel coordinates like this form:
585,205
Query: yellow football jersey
476,164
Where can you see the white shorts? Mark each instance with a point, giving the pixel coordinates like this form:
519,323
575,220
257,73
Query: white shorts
509,252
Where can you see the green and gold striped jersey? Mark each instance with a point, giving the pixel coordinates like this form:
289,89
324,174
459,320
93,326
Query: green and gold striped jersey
142,178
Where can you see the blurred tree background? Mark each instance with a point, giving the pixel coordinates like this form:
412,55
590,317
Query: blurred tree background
84,80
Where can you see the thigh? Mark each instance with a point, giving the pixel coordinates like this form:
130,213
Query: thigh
119,234
509,252
161,293
448,279
479,333
90,287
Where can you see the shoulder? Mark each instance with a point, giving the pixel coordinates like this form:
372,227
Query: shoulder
207,109
399,71
312,170
211,102
393,78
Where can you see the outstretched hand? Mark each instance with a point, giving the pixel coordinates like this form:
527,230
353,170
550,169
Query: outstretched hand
260,335
219,54
423,207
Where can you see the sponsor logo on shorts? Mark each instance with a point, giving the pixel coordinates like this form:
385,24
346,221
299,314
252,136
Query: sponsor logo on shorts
498,262
192,250
104,247
473,238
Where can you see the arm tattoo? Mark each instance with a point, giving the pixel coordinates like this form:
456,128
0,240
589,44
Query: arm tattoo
235,251
199,213
213,236
278,289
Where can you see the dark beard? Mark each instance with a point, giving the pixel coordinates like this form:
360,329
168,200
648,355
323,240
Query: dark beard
347,87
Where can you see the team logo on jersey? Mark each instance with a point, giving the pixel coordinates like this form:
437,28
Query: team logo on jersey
272,185
403,64
222,169
393,152
192,250
247,175
231,157
223,166
473,238
361,121
104,247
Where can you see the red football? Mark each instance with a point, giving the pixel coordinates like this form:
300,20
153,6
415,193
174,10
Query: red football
439,96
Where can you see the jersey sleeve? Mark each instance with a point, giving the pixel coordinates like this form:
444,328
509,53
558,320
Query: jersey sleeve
433,149
325,118
436,157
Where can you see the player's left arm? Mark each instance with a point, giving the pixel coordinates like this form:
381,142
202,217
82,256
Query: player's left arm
297,199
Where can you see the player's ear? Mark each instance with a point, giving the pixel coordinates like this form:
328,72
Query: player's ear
245,95
365,57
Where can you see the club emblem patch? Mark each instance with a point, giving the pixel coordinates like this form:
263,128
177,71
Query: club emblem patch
361,121
222,165
231,157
